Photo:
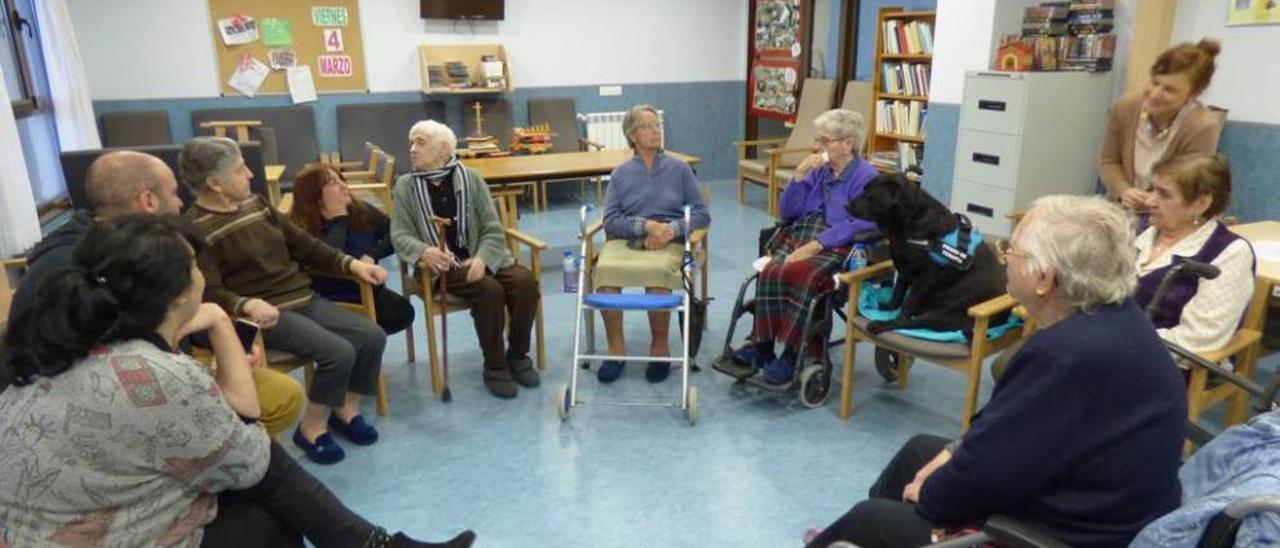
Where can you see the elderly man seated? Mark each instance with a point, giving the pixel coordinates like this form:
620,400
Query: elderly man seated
474,258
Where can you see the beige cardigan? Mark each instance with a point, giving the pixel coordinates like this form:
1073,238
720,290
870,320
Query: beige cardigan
1198,134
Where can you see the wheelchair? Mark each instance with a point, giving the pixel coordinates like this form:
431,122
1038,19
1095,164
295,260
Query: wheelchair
812,376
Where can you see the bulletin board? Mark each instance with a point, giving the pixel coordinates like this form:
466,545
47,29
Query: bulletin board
776,52
323,34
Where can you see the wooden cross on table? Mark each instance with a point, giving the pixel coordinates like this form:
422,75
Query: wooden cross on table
479,119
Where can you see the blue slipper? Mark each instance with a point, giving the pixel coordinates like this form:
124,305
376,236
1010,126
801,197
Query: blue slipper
657,371
780,370
610,370
751,354
358,431
323,451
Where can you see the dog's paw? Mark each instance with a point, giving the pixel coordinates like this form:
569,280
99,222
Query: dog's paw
877,327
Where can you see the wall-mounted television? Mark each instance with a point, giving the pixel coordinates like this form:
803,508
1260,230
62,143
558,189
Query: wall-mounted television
489,10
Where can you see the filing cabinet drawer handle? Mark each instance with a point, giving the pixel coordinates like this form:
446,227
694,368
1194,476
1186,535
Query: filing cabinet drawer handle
980,210
986,104
986,158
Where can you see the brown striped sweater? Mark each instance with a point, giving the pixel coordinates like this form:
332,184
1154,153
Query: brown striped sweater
257,253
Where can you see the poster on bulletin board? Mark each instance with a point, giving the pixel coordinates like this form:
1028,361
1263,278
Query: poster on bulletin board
779,30
1253,12
321,37
773,88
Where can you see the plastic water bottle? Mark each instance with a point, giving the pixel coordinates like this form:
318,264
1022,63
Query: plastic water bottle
570,272
857,257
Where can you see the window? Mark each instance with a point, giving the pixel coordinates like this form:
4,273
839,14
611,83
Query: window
18,31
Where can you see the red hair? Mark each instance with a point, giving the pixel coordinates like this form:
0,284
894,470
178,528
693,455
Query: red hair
308,192
1196,60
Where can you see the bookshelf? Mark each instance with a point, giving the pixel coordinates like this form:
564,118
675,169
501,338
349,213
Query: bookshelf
900,87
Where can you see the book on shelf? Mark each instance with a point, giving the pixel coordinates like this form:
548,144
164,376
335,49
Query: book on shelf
909,154
904,78
885,160
907,37
902,118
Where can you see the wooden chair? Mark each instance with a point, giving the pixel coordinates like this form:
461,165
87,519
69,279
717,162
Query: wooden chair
285,362
378,181
965,358
1243,350
363,164
239,127
780,156
433,306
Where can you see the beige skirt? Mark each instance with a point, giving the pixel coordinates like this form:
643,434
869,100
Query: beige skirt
621,266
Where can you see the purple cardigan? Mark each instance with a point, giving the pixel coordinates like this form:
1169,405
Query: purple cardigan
820,190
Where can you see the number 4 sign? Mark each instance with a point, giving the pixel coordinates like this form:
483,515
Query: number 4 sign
333,40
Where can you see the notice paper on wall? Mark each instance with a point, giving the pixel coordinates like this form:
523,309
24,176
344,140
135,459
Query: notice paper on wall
281,59
238,30
277,32
329,16
301,87
249,75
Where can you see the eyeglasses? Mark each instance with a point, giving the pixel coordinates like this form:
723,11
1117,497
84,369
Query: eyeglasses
655,126
824,140
1004,250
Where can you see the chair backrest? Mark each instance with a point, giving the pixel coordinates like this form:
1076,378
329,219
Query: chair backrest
137,128
561,113
75,165
295,132
816,97
384,125
857,97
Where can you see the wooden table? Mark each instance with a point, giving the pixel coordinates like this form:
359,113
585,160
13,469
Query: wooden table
1268,271
272,173
541,168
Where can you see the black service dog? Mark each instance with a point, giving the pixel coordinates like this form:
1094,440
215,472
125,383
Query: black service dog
935,285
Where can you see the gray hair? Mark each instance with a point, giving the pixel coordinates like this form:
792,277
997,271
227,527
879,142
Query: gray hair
205,157
632,119
1087,242
435,132
841,123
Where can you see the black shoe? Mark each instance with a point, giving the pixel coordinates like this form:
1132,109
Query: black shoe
463,540
522,369
657,371
500,383
610,370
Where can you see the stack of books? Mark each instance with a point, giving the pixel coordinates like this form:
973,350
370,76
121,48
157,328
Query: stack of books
884,160
904,118
1091,18
905,78
1049,19
1061,36
912,38
457,73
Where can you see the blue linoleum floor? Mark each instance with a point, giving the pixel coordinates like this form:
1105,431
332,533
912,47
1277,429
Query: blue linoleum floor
757,470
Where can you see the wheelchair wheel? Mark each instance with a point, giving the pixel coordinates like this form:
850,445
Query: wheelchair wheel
815,386
691,406
887,364
563,403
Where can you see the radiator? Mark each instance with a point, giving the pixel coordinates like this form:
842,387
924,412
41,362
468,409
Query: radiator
606,128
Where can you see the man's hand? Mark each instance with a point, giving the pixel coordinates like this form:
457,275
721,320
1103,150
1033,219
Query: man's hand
911,493
367,259
804,252
1138,200
437,260
368,273
262,313
475,268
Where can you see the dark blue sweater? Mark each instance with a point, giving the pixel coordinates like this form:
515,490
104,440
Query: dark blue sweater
1082,437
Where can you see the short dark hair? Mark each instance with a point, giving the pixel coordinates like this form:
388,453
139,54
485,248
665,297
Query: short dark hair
125,273
1199,175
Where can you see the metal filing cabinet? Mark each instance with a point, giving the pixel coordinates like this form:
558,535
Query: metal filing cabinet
1024,135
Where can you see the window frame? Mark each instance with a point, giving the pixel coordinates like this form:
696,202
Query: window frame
29,103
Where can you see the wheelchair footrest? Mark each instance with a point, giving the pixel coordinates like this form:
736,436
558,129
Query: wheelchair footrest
732,368
759,382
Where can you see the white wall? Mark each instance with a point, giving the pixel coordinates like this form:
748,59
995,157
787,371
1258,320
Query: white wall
1248,68
165,50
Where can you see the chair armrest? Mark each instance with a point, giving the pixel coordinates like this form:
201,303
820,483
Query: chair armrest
1013,533
866,272
593,228
792,150
759,142
587,144
359,174
1242,339
991,307
367,186
698,236
532,242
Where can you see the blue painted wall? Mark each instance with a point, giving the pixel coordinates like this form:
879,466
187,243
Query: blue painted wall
1252,149
868,11
702,118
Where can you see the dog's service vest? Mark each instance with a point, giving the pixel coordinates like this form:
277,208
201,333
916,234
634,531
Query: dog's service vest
955,249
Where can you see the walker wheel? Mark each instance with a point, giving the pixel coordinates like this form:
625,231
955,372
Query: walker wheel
691,405
563,403
815,386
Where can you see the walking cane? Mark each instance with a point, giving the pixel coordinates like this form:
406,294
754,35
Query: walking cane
445,395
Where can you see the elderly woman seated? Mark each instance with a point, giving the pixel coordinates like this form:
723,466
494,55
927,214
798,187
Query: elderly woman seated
812,245
1190,194
1095,376
254,266
474,255
644,224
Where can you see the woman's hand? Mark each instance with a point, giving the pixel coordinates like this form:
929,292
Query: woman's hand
475,268
437,260
804,252
659,234
334,200
810,163
911,493
367,259
368,273
262,313
1135,199
205,318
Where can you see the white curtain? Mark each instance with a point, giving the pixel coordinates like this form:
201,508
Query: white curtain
19,225
72,104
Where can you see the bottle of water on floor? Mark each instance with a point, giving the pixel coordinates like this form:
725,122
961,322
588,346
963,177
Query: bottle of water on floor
857,257
570,272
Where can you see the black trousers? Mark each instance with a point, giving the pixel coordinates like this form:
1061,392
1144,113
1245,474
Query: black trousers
395,312
883,520
285,506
